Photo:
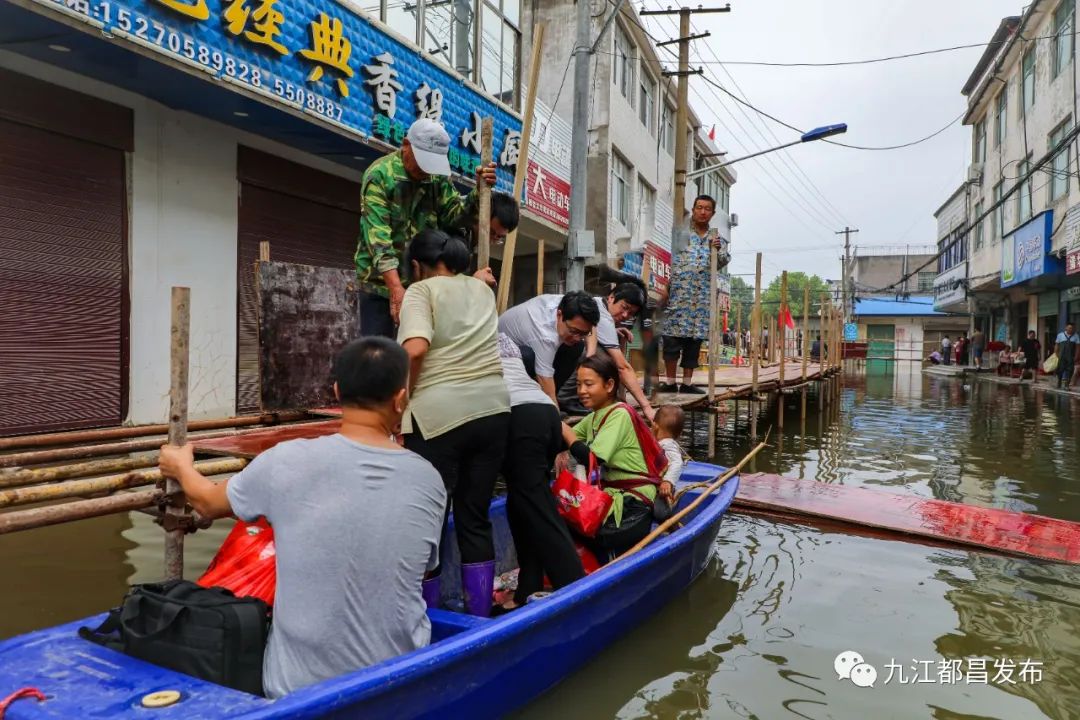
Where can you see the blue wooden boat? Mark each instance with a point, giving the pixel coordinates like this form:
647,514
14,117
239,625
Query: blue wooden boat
474,667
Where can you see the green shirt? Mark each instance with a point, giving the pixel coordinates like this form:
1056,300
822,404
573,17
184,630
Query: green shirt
394,208
616,444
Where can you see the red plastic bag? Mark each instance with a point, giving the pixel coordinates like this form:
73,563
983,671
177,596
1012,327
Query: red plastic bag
246,562
581,504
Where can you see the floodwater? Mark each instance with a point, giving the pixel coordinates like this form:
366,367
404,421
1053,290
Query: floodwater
757,635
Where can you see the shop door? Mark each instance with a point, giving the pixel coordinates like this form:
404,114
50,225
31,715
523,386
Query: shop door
308,217
62,281
881,351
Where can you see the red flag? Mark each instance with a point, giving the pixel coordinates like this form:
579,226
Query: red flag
725,322
712,133
785,318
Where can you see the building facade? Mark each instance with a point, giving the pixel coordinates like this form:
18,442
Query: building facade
631,162
951,280
155,143
1021,190
878,270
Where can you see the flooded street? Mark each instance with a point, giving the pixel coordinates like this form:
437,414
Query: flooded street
756,636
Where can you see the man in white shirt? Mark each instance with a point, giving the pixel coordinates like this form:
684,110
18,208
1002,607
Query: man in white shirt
547,322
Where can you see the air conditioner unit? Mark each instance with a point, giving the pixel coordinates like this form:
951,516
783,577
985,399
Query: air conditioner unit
975,173
734,220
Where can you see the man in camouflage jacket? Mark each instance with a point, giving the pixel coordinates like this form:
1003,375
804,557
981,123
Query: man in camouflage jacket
405,192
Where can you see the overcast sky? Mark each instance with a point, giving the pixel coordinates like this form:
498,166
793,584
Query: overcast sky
889,196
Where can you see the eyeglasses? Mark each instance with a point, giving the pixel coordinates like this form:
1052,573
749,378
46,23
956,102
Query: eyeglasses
577,332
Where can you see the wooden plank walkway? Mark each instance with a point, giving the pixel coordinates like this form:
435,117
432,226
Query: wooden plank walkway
251,444
733,382
969,526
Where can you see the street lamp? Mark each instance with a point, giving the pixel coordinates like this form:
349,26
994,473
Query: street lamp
818,133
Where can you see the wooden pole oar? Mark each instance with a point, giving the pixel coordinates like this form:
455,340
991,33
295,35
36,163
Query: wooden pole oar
483,190
713,487
506,273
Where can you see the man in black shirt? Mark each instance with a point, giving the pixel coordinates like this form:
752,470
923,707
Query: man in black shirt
1032,350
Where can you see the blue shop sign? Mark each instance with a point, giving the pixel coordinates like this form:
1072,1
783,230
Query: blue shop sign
1025,253
317,57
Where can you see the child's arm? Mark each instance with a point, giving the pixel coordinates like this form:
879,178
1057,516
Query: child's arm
675,461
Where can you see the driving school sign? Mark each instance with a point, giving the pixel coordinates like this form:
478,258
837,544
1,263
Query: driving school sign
547,195
316,57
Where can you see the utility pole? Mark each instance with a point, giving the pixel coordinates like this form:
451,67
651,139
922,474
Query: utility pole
681,108
846,232
579,239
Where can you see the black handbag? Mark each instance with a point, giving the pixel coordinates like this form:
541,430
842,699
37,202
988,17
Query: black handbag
208,633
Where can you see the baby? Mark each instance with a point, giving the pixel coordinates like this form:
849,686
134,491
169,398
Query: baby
667,428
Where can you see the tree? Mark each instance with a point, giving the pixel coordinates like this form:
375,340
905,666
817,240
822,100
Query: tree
770,297
742,297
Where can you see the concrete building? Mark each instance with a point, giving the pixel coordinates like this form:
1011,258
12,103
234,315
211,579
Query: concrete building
951,282
1022,109
903,330
631,135
148,145
878,270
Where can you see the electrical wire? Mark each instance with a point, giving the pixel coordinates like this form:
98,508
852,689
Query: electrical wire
833,142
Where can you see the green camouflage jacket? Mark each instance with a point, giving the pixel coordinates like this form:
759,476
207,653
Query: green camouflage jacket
394,208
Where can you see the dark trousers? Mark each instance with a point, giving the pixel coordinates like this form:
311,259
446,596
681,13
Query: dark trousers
375,316
468,458
611,542
541,537
946,354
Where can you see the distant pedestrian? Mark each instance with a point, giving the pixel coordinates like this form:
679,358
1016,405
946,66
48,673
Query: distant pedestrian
1066,346
978,346
1032,350
815,348
963,349
946,350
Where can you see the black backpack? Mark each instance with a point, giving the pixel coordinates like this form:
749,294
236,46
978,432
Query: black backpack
208,633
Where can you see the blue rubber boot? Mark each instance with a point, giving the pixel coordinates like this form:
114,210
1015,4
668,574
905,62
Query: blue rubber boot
431,589
477,584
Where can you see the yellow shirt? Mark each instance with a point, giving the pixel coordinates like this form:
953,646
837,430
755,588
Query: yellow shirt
461,375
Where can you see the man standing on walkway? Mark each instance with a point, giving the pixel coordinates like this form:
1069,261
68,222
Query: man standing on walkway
946,350
978,345
1065,346
1032,350
402,193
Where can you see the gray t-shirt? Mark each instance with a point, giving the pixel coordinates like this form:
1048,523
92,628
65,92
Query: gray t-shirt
355,528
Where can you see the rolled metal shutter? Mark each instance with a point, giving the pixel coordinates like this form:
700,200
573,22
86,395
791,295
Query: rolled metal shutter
303,225
62,281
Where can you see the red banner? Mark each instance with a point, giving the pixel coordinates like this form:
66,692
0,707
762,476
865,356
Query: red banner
547,195
1072,262
659,262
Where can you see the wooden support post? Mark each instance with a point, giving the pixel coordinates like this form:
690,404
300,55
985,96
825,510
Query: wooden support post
483,193
506,274
36,476
738,333
755,350
79,510
539,270
714,343
178,412
781,340
805,334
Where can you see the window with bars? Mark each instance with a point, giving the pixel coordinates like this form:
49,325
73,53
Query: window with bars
624,65
978,150
1023,194
979,226
646,101
1001,119
646,212
1059,166
1027,80
620,190
667,129
1063,36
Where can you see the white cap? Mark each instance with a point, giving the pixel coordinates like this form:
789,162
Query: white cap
430,145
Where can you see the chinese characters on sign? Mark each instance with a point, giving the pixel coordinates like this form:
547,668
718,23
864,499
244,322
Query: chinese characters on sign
429,102
659,261
547,195
384,82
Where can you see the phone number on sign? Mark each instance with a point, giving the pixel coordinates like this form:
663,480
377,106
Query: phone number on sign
131,22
